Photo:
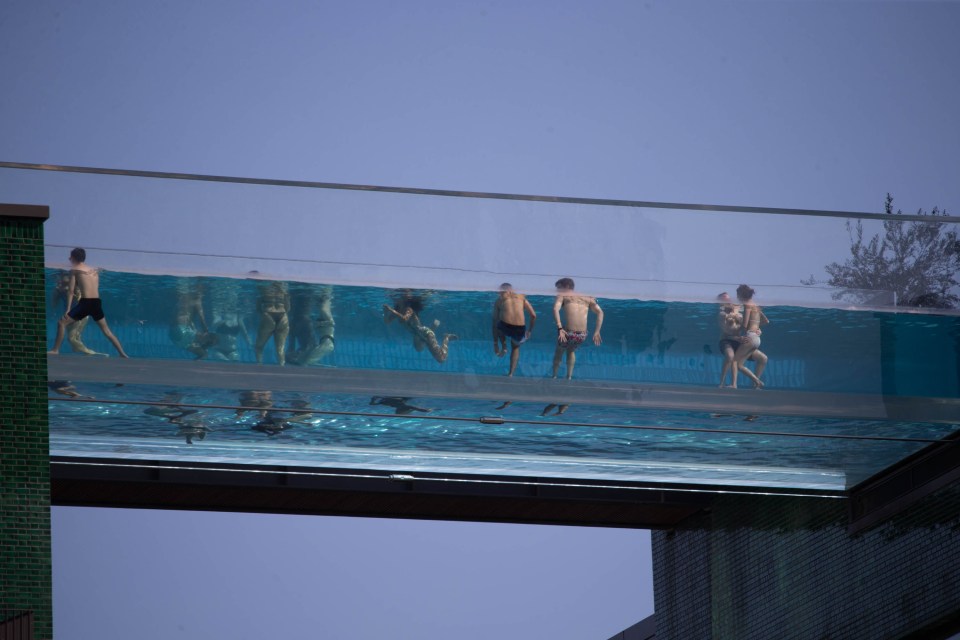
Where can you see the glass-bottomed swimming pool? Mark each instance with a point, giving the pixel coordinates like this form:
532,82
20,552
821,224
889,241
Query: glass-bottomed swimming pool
848,392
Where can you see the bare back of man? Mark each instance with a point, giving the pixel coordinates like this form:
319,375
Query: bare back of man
87,280
509,321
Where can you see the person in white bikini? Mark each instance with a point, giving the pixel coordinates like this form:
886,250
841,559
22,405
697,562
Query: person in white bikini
753,319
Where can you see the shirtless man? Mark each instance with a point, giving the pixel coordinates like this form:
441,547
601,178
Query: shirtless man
509,321
572,333
75,331
88,280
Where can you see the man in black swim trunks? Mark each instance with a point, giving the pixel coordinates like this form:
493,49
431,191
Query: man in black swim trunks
509,322
88,281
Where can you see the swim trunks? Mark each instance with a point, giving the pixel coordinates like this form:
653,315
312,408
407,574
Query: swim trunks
516,332
574,340
87,307
733,342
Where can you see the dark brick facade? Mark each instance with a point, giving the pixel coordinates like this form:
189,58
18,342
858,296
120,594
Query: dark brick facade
25,570
774,567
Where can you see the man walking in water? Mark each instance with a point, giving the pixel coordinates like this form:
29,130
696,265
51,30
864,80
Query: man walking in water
572,333
509,322
87,279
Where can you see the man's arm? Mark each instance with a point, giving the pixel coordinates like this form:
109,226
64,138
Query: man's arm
390,314
556,316
533,315
597,310
494,320
71,289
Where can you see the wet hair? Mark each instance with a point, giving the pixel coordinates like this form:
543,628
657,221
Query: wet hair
744,292
506,286
564,283
78,255
723,297
409,301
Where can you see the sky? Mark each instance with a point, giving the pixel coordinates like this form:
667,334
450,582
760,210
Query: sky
826,105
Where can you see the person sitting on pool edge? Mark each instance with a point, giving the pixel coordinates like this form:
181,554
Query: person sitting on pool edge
88,280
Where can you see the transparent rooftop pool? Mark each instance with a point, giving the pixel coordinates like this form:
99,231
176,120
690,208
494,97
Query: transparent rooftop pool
643,407
856,381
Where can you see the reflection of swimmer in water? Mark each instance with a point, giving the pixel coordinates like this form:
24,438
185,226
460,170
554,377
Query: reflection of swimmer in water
192,426
190,423
170,409
400,405
189,327
65,388
74,332
311,339
260,400
406,309
561,409
272,307
275,422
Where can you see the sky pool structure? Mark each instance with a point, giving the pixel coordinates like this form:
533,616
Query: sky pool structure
847,459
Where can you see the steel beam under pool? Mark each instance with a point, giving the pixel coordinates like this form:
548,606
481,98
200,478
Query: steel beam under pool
225,375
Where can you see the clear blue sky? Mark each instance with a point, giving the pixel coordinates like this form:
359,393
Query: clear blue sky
793,104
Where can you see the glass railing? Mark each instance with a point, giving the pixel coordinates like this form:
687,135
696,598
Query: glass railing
205,279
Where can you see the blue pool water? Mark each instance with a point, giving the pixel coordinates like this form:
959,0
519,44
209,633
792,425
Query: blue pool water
810,350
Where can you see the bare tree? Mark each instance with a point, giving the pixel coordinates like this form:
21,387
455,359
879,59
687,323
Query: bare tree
918,261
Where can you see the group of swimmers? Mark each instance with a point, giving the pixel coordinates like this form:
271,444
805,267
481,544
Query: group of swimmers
509,322
307,320
271,419
302,321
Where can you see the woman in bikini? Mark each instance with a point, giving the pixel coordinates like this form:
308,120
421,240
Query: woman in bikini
273,305
753,319
405,310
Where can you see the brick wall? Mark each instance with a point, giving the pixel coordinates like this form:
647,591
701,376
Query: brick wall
774,567
25,573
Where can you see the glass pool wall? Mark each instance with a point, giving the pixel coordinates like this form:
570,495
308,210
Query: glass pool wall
342,254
